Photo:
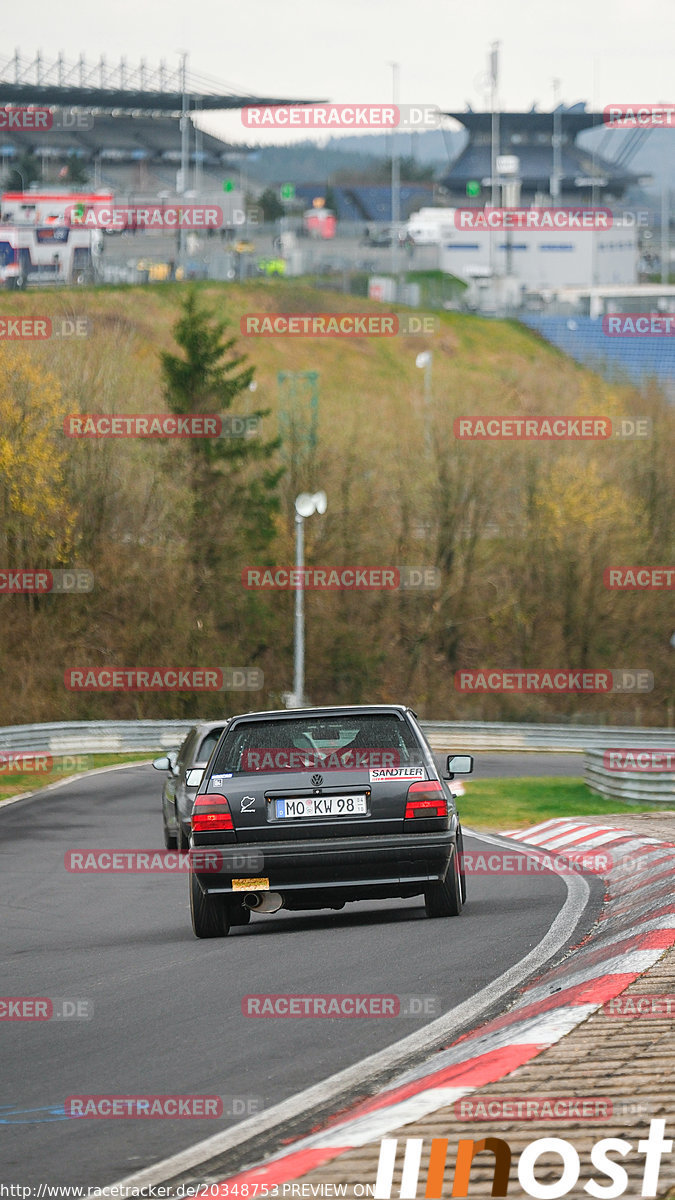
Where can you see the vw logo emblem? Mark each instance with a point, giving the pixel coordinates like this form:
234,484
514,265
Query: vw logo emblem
317,780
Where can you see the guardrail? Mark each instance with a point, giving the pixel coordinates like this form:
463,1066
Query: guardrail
529,738
94,737
648,787
120,737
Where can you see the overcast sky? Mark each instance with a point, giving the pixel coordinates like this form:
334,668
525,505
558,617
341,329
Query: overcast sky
601,52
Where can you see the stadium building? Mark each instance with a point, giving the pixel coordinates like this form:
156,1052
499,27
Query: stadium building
131,128
577,175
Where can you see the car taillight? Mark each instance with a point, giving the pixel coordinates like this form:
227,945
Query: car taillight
211,814
426,799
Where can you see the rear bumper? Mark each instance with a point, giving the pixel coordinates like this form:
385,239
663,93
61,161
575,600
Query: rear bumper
342,865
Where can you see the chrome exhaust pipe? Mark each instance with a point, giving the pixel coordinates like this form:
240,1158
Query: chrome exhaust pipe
269,902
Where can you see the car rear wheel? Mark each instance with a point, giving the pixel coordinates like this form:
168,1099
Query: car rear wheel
183,841
444,899
210,917
169,839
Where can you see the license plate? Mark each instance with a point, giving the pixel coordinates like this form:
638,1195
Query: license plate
250,885
320,806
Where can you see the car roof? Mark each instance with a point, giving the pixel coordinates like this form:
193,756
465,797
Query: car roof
205,726
327,711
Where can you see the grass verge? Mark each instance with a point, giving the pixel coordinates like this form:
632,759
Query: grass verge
32,781
517,803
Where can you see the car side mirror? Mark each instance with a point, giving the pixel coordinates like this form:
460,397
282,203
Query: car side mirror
194,777
163,763
458,764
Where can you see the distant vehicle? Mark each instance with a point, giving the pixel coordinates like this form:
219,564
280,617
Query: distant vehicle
177,795
319,222
160,272
430,226
272,266
45,254
382,235
311,808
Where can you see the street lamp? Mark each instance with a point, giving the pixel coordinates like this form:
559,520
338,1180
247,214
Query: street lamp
395,186
305,505
424,362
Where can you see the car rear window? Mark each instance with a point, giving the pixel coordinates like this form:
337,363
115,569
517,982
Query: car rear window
318,742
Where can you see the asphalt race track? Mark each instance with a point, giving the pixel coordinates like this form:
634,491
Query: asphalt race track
167,1009
506,764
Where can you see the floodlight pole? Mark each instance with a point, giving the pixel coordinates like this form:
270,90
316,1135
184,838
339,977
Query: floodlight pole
395,185
556,176
494,147
184,150
299,645
665,233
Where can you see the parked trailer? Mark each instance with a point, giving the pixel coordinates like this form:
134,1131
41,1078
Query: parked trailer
46,254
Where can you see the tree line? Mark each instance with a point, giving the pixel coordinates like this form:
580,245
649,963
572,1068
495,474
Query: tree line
519,533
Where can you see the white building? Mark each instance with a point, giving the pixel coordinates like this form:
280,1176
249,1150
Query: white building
542,259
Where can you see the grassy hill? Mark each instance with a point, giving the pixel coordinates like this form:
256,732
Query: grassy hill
520,532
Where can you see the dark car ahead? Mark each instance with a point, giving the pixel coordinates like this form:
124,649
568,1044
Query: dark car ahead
177,794
311,808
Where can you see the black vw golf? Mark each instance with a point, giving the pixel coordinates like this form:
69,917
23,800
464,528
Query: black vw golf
310,808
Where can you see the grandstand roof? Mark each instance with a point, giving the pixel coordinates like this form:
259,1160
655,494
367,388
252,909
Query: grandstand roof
101,86
128,137
572,121
109,98
536,167
529,135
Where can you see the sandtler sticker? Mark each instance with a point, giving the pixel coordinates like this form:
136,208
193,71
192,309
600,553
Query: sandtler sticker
378,774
